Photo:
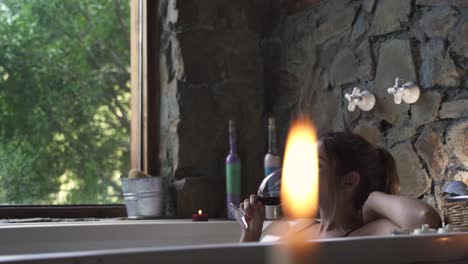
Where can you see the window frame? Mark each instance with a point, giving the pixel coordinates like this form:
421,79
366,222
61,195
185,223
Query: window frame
145,80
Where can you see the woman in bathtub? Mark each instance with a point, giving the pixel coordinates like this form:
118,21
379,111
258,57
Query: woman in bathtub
358,194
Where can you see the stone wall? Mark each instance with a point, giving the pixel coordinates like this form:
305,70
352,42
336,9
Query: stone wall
212,71
249,59
322,52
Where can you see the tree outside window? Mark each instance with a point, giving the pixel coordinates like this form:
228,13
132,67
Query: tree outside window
64,101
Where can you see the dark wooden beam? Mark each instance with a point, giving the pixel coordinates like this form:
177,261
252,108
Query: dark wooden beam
148,134
152,90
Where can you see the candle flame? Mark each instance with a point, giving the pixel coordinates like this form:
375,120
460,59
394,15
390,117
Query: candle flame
200,212
299,183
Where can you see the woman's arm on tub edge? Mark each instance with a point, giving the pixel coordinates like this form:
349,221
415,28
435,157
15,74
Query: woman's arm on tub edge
403,212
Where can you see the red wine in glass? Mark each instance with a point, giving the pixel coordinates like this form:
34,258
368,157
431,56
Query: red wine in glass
269,200
269,191
268,194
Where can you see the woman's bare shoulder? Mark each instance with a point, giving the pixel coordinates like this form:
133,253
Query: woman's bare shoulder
378,227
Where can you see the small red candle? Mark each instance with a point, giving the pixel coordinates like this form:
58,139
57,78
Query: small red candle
199,217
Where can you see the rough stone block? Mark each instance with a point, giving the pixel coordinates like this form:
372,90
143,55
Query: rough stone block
223,14
329,50
454,109
413,178
297,26
437,67
328,102
213,56
400,133
371,133
461,176
389,16
425,110
343,68
417,33
438,22
360,26
350,118
457,140
458,3
368,5
438,196
336,25
364,61
395,60
460,43
300,55
430,147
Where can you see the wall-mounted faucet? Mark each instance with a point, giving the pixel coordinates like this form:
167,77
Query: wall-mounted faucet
408,92
364,100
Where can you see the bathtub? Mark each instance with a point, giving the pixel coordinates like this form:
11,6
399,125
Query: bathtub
181,241
34,238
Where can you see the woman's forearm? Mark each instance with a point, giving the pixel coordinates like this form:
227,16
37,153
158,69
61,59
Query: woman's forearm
404,212
248,237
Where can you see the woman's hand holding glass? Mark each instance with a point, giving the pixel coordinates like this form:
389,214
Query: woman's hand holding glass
254,216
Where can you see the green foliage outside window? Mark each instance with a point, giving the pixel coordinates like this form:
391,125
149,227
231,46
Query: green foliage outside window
64,101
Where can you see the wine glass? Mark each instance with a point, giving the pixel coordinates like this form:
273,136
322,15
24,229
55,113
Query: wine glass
268,194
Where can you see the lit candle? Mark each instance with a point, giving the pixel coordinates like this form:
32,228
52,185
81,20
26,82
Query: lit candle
299,185
299,190
200,217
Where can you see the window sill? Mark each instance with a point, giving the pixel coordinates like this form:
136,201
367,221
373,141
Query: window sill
62,211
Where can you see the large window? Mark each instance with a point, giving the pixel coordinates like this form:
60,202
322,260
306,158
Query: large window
64,101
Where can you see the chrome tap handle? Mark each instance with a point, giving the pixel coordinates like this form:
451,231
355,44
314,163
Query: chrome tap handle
397,94
364,100
353,99
408,93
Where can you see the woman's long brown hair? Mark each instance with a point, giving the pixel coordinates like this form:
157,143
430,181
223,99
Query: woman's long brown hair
347,152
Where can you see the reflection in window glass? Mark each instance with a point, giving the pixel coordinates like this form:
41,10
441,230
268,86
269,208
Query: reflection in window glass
64,101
